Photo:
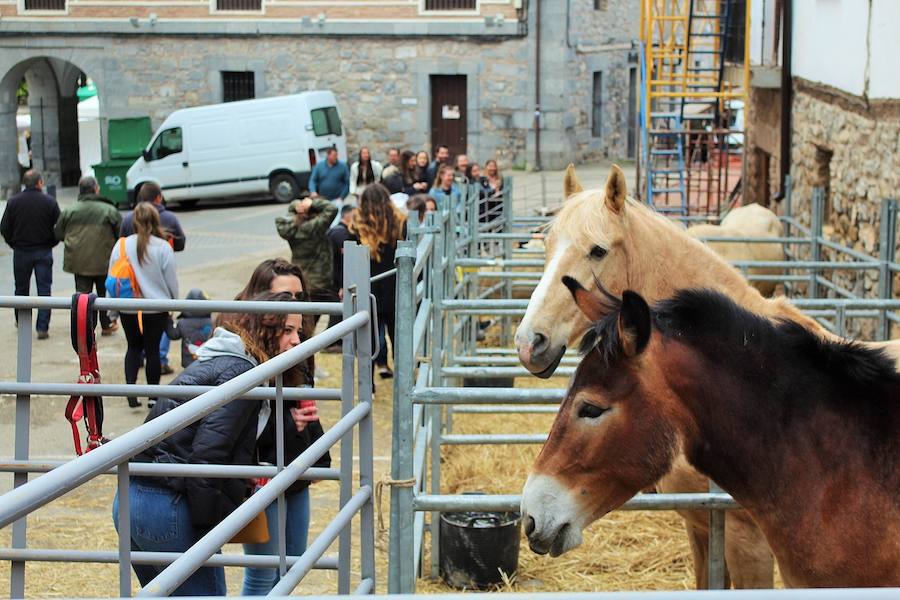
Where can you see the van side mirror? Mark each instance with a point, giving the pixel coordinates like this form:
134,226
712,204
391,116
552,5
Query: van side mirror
146,155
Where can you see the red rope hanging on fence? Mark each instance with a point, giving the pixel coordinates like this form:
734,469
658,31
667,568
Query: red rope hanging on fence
89,408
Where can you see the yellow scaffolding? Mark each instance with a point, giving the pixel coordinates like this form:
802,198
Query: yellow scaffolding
684,95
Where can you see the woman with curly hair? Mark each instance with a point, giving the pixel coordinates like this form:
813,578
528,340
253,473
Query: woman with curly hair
301,429
170,514
378,224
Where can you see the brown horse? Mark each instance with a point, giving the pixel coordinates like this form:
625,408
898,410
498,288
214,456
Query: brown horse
803,432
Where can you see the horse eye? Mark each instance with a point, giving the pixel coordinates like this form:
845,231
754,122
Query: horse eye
598,252
590,411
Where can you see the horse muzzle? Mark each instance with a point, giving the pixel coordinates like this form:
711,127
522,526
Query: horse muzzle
537,355
550,515
553,541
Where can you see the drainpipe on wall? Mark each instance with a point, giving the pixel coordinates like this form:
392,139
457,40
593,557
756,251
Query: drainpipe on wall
537,85
787,37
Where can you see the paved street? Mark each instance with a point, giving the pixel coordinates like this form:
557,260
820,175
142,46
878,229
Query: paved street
215,234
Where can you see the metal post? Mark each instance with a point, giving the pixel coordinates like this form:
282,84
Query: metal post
401,570
359,255
788,208
840,320
716,544
124,518
887,244
815,234
281,507
505,335
437,358
23,425
351,303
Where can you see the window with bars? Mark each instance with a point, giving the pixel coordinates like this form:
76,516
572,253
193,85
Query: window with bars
238,85
451,4
45,4
597,105
251,5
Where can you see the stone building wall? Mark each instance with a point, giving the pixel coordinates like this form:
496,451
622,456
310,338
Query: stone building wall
852,148
602,40
373,79
379,71
763,119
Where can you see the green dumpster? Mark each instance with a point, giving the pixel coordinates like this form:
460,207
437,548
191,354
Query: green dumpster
110,175
127,138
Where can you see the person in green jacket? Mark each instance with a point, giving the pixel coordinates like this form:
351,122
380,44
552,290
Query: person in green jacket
89,229
305,227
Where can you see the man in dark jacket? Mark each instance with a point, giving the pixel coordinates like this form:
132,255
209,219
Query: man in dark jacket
441,157
337,235
89,229
150,192
27,226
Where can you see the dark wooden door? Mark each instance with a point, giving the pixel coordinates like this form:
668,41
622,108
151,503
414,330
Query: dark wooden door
448,113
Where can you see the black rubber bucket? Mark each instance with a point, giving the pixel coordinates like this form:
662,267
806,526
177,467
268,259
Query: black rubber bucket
477,546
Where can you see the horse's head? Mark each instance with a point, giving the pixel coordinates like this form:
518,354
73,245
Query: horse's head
612,436
586,242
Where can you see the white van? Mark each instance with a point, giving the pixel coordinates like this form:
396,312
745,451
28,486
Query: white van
246,148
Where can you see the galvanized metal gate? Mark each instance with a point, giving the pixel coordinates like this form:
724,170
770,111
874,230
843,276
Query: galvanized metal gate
355,396
441,276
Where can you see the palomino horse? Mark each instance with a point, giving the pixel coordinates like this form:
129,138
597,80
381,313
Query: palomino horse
625,245
752,220
803,432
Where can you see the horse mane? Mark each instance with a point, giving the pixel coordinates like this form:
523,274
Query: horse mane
584,218
712,323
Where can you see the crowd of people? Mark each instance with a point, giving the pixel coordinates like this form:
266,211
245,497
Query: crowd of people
367,202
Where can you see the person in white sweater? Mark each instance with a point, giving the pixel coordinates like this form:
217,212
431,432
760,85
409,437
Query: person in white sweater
364,172
153,262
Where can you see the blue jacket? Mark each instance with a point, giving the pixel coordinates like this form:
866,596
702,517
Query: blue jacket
445,200
332,182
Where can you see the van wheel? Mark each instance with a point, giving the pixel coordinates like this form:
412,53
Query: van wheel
187,204
284,187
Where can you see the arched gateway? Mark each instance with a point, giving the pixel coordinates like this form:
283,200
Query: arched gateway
52,79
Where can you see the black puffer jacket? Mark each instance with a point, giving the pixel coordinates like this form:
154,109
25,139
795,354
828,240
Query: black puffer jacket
295,443
225,436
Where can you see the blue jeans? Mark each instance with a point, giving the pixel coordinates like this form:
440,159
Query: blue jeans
161,522
259,582
164,349
41,263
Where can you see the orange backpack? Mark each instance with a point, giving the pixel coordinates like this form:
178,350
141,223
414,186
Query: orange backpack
121,281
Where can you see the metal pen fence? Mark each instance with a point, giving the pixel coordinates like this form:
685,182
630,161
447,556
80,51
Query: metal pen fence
355,396
444,285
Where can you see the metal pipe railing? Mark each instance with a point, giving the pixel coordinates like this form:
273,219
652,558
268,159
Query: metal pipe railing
166,582
150,305
152,558
112,457
34,494
165,391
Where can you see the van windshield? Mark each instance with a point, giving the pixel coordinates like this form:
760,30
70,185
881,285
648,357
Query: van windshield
326,121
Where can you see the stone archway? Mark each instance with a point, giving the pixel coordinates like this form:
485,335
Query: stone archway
53,104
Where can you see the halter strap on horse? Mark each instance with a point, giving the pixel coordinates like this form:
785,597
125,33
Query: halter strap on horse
89,408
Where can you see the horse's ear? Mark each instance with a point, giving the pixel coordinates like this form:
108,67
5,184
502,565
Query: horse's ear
616,189
590,305
571,185
633,325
